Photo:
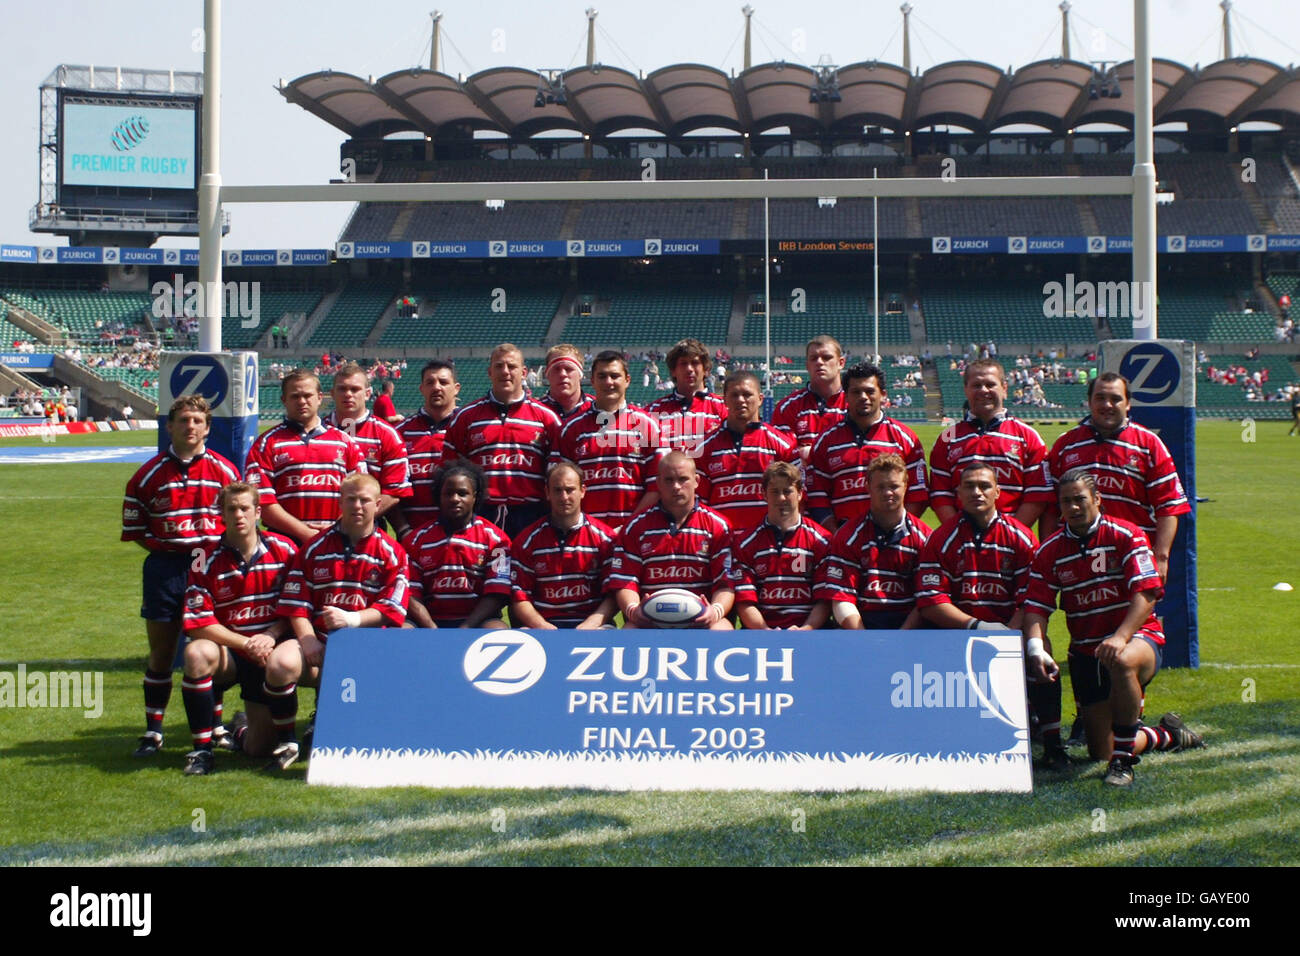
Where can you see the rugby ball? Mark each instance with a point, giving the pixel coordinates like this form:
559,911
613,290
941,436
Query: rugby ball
673,607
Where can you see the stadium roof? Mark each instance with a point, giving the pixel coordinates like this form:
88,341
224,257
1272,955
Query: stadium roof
678,99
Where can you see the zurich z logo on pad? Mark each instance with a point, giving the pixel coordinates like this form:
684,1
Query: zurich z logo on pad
1153,372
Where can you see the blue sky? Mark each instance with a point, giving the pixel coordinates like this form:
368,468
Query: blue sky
267,140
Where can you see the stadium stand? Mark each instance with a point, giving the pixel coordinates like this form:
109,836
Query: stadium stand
652,314
274,304
464,316
1012,313
837,308
354,314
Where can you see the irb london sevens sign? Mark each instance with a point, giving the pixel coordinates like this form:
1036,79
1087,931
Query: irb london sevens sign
674,710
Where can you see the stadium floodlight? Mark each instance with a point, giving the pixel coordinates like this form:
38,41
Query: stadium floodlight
550,88
826,88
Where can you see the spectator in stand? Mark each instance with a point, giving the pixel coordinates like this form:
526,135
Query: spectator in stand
384,408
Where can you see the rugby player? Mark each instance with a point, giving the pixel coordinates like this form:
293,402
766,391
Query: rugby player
1134,471
510,437
170,508
616,445
564,376
1105,574
298,465
679,543
424,433
460,564
837,476
806,413
776,563
869,575
734,457
383,448
986,433
352,574
690,411
559,566
973,572
231,622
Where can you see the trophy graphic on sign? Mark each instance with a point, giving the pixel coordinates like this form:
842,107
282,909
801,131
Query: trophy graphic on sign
1006,683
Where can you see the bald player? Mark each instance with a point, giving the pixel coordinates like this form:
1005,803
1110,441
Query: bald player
679,543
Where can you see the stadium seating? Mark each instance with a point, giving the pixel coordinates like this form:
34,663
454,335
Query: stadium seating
999,217
354,314
273,305
1202,312
847,219
641,315
80,310
977,312
465,316
839,309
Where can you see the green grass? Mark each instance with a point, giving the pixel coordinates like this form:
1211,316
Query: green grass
73,794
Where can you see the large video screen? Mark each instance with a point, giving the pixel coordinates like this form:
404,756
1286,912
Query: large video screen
129,145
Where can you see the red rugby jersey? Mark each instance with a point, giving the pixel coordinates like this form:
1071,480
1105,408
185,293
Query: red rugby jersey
564,575
874,568
731,467
383,450
330,572
619,454
584,405
451,570
1014,449
302,471
171,505
804,415
684,422
837,467
775,570
984,573
1136,477
1096,576
511,443
655,552
424,439
238,595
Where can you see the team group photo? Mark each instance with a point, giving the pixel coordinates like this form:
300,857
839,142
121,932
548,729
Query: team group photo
869,447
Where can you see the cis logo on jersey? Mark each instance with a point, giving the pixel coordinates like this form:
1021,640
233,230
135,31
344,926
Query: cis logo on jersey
502,663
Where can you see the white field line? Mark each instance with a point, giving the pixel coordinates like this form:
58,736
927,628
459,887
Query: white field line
654,771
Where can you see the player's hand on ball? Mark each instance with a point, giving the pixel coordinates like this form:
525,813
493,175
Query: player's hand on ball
634,617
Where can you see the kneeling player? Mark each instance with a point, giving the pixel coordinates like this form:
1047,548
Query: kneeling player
1106,575
776,563
460,564
679,543
973,574
869,575
559,565
350,575
231,622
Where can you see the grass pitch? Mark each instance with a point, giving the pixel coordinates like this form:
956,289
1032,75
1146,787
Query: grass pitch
73,794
